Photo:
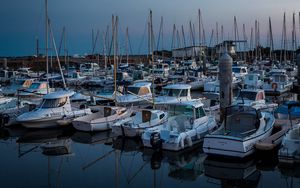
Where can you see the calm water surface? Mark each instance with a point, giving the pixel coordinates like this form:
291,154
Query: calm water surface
67,158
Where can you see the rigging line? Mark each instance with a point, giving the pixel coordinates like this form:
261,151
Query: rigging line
98,159
144,34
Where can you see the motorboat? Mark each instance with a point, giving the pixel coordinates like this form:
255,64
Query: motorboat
174,93
18,84
253,80
186,126
36,89
290,147
212,87
240,71
243,126
255,98
54,110
139,121
138,93
283,112
277,83
75,78
101,120
10,109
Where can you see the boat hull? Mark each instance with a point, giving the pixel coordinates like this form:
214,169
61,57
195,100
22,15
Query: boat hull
218,145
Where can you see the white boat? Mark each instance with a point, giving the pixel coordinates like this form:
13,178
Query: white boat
55,109
136,124
6,75
254,98
101,120
75,78
277,83
174,93
36,89
253,80
18,84
240,71
10,109
138,93
212,88
89,69
241,129
290,147
186,126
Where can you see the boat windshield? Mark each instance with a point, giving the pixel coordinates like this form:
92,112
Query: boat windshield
54,103
134,90
175,110
35,86
246,95
236,70
171,92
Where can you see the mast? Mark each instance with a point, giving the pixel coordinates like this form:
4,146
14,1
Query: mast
173,37
251,43
199,24
115,59
126,45
152,45
271,39
245,43
183,37
294,38
256,40
46,42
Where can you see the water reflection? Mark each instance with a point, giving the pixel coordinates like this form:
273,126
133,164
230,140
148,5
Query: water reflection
232,174
103,137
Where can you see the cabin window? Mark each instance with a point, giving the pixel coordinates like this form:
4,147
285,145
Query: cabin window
236,70
54,103
247,96
10,74
181,110
134,90
161,116
34,86
251,77
2,73
184,93
172,92
199,113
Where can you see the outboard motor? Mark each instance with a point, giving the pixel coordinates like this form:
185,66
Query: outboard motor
4,119
156,141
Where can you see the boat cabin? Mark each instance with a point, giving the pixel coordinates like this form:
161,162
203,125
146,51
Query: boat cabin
253,80
252,95
140,88
177,90
57,99
240,71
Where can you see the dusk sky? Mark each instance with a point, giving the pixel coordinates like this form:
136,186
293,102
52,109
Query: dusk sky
23,20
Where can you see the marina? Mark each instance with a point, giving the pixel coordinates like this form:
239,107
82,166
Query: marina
222,112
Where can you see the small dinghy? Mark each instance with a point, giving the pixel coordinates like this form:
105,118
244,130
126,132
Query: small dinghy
136,124
243,126
101,120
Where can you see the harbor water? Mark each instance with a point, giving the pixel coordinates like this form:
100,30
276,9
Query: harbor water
65,157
